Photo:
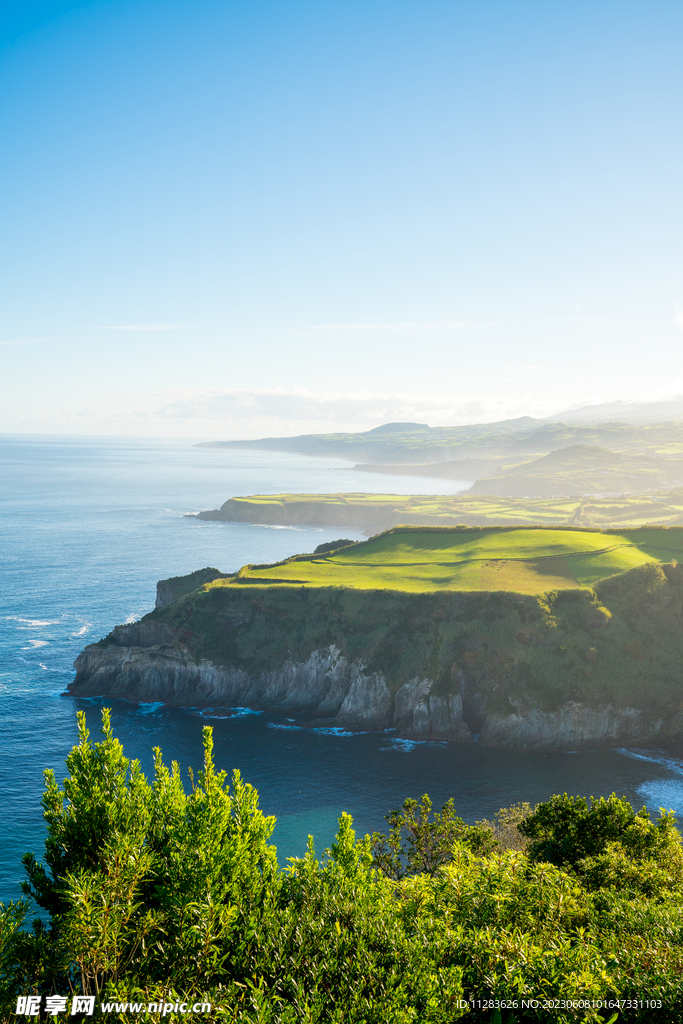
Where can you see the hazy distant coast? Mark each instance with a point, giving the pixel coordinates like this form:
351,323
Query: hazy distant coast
512,458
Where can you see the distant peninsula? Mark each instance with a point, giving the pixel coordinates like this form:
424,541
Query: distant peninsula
512,458
374,513
522,638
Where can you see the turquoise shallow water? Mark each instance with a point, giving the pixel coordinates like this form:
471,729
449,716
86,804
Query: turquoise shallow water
88,525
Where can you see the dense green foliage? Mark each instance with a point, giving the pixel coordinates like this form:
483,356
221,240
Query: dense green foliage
153,893
332,545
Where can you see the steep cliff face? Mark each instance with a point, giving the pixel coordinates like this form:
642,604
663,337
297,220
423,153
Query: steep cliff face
567,670
172,589
325,685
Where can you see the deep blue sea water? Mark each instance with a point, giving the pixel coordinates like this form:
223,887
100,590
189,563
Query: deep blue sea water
87,527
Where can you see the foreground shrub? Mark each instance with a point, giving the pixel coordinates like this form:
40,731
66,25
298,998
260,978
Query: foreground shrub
153,894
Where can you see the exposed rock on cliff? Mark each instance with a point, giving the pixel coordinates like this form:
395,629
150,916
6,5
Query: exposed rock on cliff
569,669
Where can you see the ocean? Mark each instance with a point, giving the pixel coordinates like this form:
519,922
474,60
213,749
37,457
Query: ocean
89,524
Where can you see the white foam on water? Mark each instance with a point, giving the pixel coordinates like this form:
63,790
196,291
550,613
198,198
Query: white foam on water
34,644
226,712
405,746
659,757
149,707
31,623
337,731
133,617
278,725
83,630
214,713
666,793
44,667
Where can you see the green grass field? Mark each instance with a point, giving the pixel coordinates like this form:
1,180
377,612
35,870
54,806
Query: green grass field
382,511
527,561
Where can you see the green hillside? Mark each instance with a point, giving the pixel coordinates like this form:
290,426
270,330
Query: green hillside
423,559
585,469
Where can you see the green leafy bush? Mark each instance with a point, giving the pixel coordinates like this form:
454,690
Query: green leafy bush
152,893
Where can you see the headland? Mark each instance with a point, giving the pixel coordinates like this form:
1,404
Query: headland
525,639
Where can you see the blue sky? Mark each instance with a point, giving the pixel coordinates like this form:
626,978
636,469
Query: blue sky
238,218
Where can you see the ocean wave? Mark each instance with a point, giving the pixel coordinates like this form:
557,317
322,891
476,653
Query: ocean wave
149,707
666,793
32,623
660,757
228,712
133,617
279,725
337,731
405,746
35,644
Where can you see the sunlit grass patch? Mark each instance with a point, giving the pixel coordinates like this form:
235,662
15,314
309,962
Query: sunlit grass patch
526,561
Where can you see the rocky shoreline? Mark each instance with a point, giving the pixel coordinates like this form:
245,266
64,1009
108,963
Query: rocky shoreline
337,693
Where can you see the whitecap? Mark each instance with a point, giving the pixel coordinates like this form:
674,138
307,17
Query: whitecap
32,623
667,793
405,746
133,617
35,644
149,707
654,757
337,731
43,666
214,713
83,630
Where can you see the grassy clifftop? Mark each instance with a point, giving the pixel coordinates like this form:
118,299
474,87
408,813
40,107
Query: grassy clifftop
519,559
619,642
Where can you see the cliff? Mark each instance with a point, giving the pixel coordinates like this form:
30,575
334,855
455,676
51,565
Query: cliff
568,669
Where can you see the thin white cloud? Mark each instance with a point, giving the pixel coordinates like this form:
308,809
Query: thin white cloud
141,327
223,414
405,327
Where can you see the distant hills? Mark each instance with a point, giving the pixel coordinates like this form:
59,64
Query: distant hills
585,469
522,457
627,412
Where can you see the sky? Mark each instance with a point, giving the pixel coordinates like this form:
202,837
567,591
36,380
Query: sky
239,218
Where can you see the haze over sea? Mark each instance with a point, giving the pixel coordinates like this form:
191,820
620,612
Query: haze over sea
88,527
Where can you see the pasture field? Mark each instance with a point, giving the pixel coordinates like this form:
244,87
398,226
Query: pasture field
382,511
427,559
